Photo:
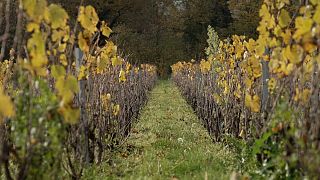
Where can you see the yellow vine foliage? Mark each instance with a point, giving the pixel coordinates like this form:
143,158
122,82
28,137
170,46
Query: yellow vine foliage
48,25
88,18
288,43
6,106
49,41
7,109
122,76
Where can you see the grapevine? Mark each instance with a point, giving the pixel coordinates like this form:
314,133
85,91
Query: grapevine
240,90
58,110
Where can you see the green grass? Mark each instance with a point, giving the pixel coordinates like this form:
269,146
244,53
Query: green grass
168,142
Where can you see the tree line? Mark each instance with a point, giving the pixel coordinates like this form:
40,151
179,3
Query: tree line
163,32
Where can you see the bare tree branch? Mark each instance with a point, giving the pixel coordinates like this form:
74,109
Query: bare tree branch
6,32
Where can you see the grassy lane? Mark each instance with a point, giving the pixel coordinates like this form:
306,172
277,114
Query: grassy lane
168,142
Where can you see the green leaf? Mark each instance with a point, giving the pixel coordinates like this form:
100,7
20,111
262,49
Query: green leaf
57,16
58,71
260,143
284,18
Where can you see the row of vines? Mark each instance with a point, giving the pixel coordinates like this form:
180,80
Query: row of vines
67,97
264,92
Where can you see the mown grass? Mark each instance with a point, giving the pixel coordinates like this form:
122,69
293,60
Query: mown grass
168,142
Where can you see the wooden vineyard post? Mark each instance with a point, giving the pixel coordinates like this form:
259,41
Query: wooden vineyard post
82,105
265,90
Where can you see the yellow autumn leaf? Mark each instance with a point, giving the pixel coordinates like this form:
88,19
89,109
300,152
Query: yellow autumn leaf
272,84
111,48
255,105
65,94
83,43
136,70
309,47
33,27
57,35
63,59
82,73
205,66
37,50
271,23
72,84
6,106
286,69
62,47
316,16
248,100
308,66
315,2
67,87
248,83
116,61
105,29
237,92
226,89
35,9
286,36
252,102
303,96
122,76
277,31
88,18
116,109
284,18
38,61
264,11
102,64
128,67
293,54
58,71
217,98
250,45
242,134
303,26
260,48
106,100
70,115
297,95
56,16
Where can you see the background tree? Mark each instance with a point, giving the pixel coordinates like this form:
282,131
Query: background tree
245,15
163,32
200,14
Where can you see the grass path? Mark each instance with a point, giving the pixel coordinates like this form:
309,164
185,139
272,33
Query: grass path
168,142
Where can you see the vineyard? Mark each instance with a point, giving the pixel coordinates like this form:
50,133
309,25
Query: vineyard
61,112
73,105
264,91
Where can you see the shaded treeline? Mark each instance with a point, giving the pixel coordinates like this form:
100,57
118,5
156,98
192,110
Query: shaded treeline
165,31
